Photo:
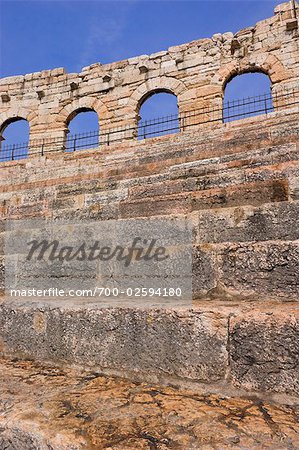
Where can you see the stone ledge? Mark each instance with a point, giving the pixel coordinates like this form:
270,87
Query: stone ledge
248,345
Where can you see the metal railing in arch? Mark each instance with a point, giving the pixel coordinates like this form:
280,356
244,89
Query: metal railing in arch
231,110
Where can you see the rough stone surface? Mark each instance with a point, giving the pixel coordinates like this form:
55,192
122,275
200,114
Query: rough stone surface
264,350
219,344
262,268
70,410
182,344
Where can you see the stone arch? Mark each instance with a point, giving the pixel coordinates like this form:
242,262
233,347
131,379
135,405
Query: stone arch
14,114
69,111
11,149
7,121
153,86
151,94
268,64
242,71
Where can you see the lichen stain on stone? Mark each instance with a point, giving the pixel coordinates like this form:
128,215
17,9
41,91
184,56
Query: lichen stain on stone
39,322
65,409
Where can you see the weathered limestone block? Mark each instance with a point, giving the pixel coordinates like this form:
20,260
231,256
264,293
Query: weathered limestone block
107,196
264,351
256,193
262,269
186,344
204,271
248,224
294,188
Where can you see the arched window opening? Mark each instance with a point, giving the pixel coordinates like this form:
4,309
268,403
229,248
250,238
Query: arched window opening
158,115
14,139
83,130
247,95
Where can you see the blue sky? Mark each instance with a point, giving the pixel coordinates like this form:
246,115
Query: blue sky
37,35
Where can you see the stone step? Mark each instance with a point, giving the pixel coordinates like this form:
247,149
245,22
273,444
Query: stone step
215,345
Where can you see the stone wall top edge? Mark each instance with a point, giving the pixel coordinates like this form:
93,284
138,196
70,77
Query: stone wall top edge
283,7
53,74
